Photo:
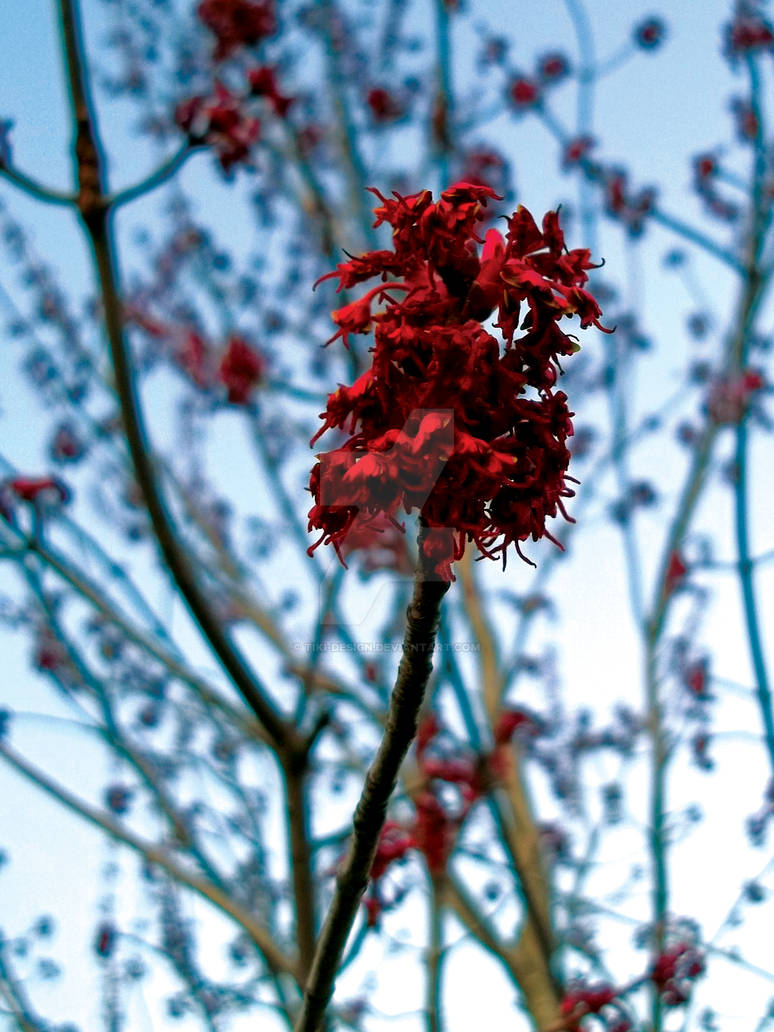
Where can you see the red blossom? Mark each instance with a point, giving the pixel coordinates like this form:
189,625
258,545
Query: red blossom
263,83
747,33
745,119
236,23
221,123
576,150
394,843
524,92
674,970
104,940
729,397
649,34
623,204
705,166
32,489
434,831
696,677
383,104
441,421
192,356
553,67
583,1000
241,370
509,721
50,653
676,571
67,444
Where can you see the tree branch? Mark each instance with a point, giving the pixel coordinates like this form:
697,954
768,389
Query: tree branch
224,901
95,216
405,703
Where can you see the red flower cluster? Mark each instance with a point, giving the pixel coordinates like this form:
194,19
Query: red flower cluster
263,83
748,32
675,970
524,92
240,370
623,204
436,822
30,489
236,23
583,1000
745,119
384,106
553,67
66,444
34,490
576,151
219,122
446,420
729,397
675,575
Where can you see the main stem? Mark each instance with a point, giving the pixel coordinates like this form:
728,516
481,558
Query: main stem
413,674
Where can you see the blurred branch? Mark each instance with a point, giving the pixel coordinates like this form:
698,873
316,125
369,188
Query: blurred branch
761,209
672,222
208,694
20,1008
518,829
113,734
34,189
224,901
332,29
156,178
442,113
435,951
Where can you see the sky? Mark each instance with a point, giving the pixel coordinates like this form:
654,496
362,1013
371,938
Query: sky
661,109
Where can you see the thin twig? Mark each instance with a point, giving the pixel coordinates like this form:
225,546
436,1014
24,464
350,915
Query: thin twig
224,901
34,189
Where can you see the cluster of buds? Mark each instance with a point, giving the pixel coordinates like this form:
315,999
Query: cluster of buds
436,822
675,970
446,421
705,174
384,105
41,492
748,32
237,23
237,366
219,122
222,120
582,1000
622,203
745,119
649,34
729,397
240,370
526,91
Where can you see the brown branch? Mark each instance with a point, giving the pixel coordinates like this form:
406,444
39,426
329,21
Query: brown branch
405,703
517,827
95,216
304,896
